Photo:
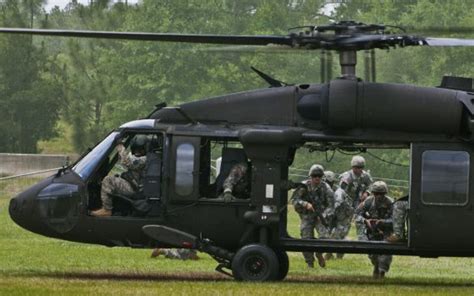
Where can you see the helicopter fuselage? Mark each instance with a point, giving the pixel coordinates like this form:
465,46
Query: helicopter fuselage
270,125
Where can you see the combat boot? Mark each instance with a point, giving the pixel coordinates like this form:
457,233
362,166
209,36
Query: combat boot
376,273
321,261
194,256
328,256
101,213
393,238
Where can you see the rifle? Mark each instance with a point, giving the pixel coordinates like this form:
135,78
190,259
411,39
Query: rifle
319,215
374,230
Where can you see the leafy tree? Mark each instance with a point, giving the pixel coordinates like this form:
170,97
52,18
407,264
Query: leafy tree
30,101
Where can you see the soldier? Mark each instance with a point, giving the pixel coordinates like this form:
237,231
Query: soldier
331,178
237,184
341,222
128,182
356,181
314,202
374,217
183,254
400,212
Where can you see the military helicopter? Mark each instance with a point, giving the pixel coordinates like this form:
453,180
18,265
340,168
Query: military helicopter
248,237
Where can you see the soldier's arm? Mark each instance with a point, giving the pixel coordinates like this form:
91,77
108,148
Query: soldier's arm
131,161
297,198
368,180
235,174
387,221
359,213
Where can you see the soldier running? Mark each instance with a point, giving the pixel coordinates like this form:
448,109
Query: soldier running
374,217
400,213
314,202
356,181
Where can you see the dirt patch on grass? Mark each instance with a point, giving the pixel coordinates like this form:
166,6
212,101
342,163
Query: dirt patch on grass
214,276
114,276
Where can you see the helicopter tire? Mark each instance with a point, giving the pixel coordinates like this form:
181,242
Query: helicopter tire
284,264
255,262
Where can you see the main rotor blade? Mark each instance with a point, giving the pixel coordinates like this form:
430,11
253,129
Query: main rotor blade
167,37
270,48
449,42
433,30
292,41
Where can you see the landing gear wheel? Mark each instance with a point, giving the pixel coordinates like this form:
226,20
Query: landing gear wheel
255,263
284,263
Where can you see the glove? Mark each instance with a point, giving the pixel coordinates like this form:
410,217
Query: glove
228,197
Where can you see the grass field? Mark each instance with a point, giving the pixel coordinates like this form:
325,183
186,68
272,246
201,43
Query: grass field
34,265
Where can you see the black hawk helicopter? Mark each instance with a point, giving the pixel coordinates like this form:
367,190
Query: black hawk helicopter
180,204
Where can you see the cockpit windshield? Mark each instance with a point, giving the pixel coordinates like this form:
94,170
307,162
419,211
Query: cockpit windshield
86,165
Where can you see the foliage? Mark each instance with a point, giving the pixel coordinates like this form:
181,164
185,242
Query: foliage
30,101
96,85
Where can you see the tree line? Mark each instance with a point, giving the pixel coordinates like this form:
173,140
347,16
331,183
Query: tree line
80,89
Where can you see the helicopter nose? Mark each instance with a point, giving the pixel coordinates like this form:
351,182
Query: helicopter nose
23,207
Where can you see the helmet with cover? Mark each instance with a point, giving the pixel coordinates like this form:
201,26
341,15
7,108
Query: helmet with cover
358,161
330,176
316,170
379,187
138,144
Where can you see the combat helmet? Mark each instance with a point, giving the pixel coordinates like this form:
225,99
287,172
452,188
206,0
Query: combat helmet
330,176
358,161
138,143
316,169
379,187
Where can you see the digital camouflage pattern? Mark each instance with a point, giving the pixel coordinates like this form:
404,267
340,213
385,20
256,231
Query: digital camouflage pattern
135,165
322,199
354,185
400,211
343,213
116,184
379,209
238,182
182,254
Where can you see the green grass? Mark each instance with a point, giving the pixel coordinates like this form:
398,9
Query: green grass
34,265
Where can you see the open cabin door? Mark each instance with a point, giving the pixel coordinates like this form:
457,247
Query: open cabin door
441,198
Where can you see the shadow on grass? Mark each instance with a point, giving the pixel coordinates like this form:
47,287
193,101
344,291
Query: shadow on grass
292,279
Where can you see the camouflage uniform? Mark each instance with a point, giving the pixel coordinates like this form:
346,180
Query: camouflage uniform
354,185
400,211
322,199
238,182
118,185
183,254
343,213
380,209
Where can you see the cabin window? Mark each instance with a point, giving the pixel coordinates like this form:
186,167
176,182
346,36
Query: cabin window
445,177
184,169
